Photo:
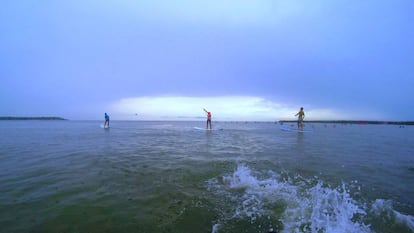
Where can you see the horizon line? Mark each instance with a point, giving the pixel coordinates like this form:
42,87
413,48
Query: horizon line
46,118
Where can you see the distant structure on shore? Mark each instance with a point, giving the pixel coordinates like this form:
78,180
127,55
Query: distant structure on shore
356,122
10,118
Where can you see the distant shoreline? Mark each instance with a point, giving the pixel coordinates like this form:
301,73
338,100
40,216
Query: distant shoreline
9,118
354,122
357,122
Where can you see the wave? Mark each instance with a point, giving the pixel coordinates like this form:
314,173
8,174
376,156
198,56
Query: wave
276,202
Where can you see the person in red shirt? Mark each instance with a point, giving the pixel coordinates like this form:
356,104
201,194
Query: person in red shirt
208,118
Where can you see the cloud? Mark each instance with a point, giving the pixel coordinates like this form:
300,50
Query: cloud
238,108
216,12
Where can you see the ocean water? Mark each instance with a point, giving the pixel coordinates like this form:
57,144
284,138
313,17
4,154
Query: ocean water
74,176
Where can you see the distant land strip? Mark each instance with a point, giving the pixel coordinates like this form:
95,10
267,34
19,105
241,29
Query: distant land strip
10,118
355,122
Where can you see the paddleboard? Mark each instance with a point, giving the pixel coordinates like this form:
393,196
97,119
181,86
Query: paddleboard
104,127
198,128
204,129
294,130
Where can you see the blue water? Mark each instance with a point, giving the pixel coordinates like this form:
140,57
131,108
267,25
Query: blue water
74,176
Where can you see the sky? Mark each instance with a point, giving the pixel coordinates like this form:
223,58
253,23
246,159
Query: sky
239,59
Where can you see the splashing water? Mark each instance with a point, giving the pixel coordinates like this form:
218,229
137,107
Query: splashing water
300,205
384,209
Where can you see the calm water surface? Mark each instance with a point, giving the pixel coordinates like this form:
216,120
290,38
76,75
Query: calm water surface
74,176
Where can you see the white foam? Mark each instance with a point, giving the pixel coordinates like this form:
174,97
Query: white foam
383,207
216,228
254,193
324,209
311,206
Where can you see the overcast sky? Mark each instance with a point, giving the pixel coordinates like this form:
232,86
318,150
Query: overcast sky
240,59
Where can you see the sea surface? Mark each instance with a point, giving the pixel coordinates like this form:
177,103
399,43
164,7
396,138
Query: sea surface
75,176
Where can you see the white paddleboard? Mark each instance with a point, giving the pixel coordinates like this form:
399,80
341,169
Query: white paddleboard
295,130
198,128
104,127
204,129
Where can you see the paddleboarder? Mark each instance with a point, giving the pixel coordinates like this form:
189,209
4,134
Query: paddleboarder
106,120
208,118
301,116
